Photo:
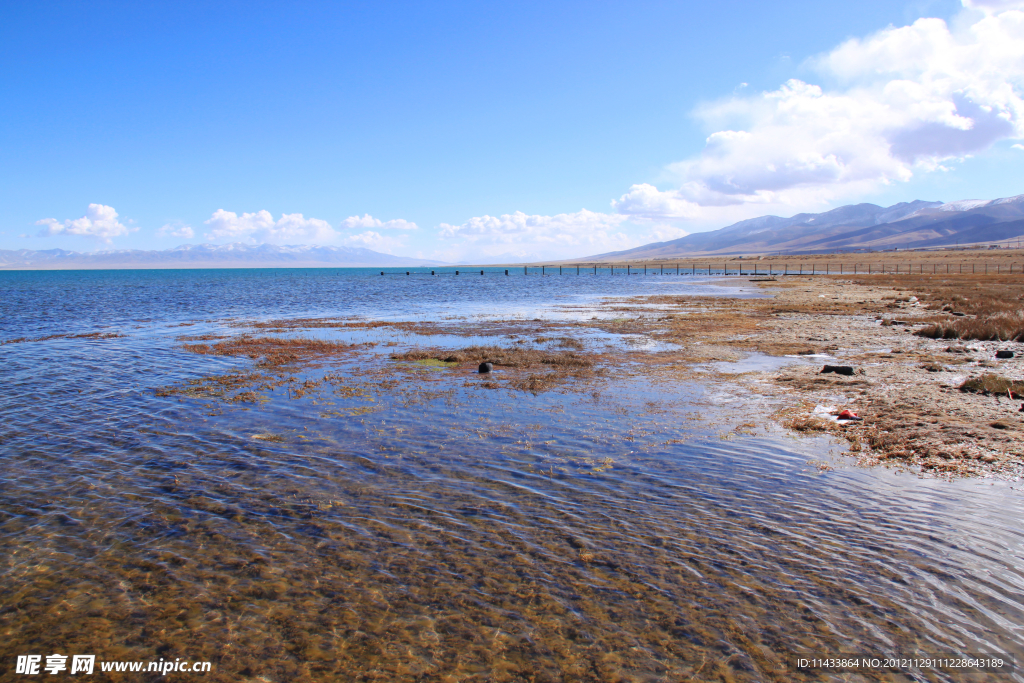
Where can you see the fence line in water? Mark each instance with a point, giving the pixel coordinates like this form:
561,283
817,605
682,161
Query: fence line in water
859,268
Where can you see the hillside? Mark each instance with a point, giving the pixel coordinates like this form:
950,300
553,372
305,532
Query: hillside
917,224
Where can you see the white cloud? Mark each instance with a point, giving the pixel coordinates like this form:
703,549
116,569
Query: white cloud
368,221
375,241
993,5
645,201
99,222
261,227
180,231
565,228
664,233
903,101
563,235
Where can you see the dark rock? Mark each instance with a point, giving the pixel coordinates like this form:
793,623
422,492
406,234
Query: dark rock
485,367
838,369
1004,354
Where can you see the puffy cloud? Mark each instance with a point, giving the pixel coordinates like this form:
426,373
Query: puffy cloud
581,227
374,240
99,222
646,201
904,100
664,233
368,221
566,234
261,227
180,231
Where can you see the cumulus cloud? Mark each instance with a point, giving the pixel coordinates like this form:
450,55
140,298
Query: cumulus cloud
375,241
261,227
664,233
902,101
566,228
99,222
566,233
645,201
368,221
179,231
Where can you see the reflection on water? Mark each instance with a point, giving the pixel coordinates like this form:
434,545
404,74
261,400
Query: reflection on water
416,526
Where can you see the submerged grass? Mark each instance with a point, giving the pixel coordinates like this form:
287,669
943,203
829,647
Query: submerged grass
272,351
87,335
533,370
512,357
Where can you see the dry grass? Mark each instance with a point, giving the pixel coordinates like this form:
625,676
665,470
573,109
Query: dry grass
991,383
983,307
998,327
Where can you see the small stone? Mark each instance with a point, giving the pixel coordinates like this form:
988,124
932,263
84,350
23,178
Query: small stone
485,368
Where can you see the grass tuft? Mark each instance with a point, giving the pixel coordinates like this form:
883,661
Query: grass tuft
990,383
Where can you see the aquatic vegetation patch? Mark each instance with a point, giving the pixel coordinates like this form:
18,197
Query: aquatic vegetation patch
500,356
272,352
87,335
527,369
435,363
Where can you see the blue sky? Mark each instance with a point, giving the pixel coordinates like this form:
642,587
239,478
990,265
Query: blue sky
468,131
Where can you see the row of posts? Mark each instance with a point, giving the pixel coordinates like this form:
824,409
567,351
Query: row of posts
814,269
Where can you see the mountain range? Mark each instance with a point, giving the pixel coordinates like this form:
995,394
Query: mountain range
907,225
208,256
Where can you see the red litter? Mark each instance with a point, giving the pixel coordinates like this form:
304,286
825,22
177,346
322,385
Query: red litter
848,415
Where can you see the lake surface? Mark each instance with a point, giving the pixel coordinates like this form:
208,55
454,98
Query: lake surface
416,525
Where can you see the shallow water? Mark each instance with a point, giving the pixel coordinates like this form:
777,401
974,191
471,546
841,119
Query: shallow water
403,523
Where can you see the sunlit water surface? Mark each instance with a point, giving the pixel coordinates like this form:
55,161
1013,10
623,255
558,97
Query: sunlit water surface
440,530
